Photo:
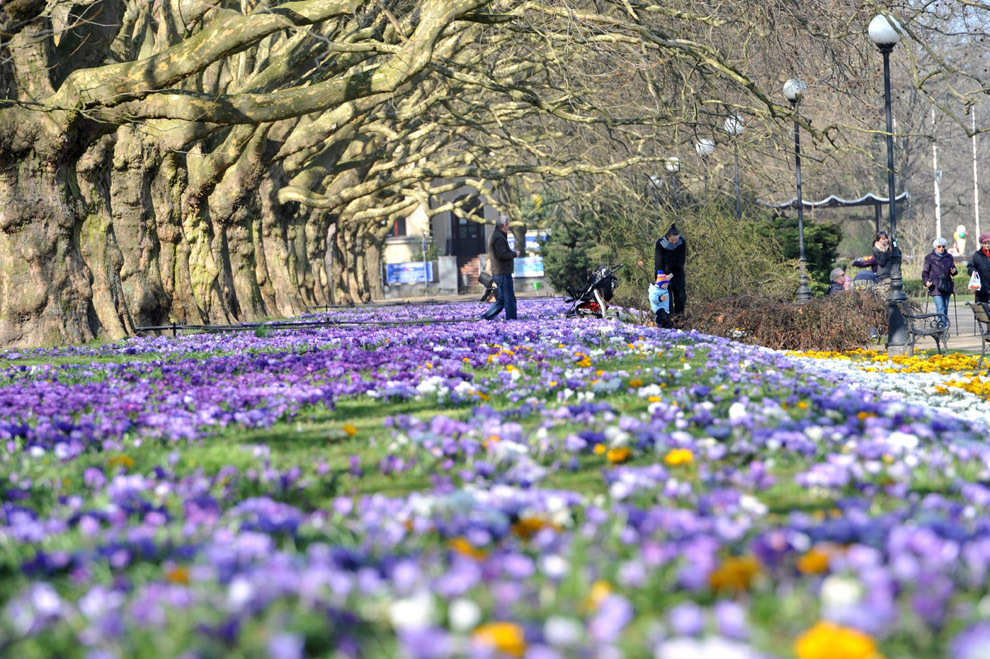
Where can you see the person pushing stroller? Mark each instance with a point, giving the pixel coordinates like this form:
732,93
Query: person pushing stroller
660,299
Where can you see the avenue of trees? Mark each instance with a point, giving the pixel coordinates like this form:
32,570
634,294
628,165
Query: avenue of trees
190,161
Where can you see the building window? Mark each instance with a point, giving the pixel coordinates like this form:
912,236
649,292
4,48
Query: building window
398,228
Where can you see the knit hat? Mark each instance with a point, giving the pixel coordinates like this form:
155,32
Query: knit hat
939,241
984,237
661,277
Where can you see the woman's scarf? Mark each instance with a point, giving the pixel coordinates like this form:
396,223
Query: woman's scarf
986,252
666,244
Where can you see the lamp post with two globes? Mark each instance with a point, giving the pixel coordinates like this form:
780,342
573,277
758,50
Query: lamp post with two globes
673,165
705,147
793,91
885,33
734,126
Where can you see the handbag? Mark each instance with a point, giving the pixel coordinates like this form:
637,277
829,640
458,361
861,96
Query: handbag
944,284
974,281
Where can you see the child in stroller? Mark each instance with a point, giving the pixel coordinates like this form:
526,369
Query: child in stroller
593,298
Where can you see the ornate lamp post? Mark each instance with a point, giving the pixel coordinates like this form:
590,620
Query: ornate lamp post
734,126
884,32
793,91
673,165
705,147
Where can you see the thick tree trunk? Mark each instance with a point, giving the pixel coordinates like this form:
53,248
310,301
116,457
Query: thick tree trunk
46,296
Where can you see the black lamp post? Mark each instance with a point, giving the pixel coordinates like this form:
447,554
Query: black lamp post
793,92
884,32
734,126
705,147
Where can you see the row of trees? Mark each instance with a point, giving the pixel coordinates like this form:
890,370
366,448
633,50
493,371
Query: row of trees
213,161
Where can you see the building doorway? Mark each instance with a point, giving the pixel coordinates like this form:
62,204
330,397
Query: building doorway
466,232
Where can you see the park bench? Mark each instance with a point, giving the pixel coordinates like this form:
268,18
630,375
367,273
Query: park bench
981,314
924,324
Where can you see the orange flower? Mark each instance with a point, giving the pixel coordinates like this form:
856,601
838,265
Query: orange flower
528,527
618,455
814,562
600,590
506,637
827,640
350,430
735,573
462,546
678,456
121,460
179,575
635,382
599,449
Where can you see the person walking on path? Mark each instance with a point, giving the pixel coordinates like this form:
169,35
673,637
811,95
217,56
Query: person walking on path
981,263
669,255
502,259
937,273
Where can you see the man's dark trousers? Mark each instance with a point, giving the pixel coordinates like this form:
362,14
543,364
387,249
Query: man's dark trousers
505,298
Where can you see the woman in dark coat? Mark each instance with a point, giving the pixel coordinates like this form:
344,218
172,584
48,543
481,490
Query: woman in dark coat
981,263
881,254
668,255
937,273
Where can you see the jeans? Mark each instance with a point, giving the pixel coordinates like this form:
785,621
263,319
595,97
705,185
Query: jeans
505,298
942,308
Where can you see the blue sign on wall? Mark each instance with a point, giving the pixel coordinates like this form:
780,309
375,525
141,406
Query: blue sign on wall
409,273
531,266
533,241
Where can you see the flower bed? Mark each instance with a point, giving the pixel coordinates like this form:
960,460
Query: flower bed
541,488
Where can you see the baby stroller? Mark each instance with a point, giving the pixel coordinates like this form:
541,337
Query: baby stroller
593,298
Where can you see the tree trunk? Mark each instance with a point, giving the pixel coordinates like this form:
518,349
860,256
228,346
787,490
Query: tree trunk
46,296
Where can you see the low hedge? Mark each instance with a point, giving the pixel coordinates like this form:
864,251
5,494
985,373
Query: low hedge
844,321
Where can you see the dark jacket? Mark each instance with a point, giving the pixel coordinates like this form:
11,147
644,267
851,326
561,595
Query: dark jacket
499,254
935,267
883,263
981,263
834,287
671,261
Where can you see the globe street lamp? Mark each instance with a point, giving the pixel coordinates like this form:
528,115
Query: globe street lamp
673,165
705,147
885,33
734,126
793,91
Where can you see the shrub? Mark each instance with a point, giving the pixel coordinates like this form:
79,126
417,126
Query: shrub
844,321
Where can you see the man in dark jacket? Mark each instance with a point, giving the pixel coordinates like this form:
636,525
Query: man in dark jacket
838,281
501,259
668,255
981,263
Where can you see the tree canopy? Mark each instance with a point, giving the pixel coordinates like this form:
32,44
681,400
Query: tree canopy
202,161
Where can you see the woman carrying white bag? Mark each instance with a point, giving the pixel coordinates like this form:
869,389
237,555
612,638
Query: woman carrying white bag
979,270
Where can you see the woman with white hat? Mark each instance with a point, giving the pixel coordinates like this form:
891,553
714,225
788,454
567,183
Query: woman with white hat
937,273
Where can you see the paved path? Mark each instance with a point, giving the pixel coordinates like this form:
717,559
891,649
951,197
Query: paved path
965,336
